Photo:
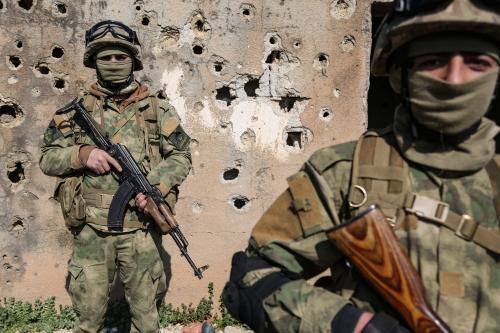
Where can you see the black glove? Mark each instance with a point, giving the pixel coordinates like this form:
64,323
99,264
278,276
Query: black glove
346,319
245,303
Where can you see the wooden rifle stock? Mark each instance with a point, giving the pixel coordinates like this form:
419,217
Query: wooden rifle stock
369,243
162,217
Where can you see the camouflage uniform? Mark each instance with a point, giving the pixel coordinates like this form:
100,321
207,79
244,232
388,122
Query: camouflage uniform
462,278
150,128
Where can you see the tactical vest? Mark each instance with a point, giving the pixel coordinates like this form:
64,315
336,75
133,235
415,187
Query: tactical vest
380,175
148,129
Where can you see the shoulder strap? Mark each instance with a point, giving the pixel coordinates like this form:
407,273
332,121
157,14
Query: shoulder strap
493,169
379,175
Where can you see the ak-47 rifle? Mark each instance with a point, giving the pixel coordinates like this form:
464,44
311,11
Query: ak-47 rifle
368,242
133,181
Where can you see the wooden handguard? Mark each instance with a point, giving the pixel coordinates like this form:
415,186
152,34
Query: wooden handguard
161,216
368,242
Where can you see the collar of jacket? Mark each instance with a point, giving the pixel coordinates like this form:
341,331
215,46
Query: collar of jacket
139,94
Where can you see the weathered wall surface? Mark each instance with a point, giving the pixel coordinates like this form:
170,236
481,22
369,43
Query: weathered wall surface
259,85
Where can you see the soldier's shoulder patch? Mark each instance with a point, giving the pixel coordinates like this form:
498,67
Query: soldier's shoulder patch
52,133
323,158
180,139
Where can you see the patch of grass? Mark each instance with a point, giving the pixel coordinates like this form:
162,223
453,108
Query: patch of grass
24,317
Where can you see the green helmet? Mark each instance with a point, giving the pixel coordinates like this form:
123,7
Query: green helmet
414,19
106,33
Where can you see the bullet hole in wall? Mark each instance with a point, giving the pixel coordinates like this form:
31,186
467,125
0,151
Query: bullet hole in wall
57,52
348,43
10,115
297,44
224,94
239,202
294,139
231,174
19,44
247,11
18,225
161,95
16,173
197,207
248,137
273,57
199,24
61,8
321,62
15,62
287,103
197,49
137,7
272,40
218,67
25,4
325,114
342,9
42,69
251,87
59,83
145,21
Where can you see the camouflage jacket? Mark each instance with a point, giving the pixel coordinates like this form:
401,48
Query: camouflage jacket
148,126
462,279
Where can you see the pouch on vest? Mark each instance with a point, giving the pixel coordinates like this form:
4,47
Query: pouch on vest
68,192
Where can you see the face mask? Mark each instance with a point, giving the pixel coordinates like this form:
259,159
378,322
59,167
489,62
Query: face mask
450,108
114,72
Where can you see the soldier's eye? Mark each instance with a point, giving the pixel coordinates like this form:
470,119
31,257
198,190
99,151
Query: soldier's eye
480,63
105,58
428,63
121,57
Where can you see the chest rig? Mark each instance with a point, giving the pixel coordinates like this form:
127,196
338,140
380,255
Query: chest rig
146,114
380,175
147,121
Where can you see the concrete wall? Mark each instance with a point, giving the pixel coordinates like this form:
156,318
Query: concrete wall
259,85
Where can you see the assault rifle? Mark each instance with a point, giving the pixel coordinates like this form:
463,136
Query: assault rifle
133,181
370,245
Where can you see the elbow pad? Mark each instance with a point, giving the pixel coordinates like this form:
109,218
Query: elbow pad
245,303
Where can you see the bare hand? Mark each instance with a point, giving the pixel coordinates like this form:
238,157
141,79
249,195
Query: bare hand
101,162
140,201
192,328
363,321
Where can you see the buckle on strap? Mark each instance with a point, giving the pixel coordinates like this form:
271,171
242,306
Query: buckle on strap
464,230
427,208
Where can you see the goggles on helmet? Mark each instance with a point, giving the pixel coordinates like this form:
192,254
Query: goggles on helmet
412,7
117,29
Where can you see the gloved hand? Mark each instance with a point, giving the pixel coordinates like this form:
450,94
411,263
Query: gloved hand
347,319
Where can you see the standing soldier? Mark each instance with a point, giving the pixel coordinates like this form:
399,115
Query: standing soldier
434,173
150,128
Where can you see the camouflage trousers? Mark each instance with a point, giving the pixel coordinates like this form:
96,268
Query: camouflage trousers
96,257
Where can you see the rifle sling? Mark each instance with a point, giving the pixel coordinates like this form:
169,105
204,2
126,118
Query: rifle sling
380,175
464,226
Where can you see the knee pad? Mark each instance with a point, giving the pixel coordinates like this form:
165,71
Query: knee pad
245,303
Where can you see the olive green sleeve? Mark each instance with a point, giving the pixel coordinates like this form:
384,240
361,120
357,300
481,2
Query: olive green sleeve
175,151
285,238
59,153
